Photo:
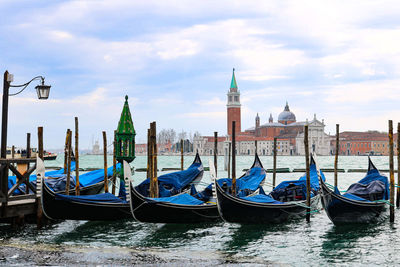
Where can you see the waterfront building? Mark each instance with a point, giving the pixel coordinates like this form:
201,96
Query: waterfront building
287,130
363,143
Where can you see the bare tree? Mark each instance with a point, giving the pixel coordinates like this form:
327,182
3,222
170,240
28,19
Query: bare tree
166,136
182,135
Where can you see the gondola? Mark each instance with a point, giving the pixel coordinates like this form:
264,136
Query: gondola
286,201
90,183
189,208
364,202
106,206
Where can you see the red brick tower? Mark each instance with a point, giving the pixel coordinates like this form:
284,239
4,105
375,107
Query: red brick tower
233,106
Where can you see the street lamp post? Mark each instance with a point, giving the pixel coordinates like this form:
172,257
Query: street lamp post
42,92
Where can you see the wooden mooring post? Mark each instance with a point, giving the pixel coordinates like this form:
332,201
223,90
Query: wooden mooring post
181,154
307,154
149,156
153,147
233,158
336,156
114,177
66,152
28,155
229,159
39,212
398,166
216,152
391,171
68,167
105,162
275,151
77,189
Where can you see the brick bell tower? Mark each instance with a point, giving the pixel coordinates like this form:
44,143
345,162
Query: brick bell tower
233,106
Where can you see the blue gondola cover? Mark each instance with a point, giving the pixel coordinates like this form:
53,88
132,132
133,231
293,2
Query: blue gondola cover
171,183
104,198
183,199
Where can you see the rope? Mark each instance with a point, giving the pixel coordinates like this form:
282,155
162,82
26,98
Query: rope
384,201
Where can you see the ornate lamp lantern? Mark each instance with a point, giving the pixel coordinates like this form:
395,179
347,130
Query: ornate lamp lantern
125,136
43,90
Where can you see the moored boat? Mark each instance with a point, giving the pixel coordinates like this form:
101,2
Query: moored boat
106,206
190,208
286,201
364,202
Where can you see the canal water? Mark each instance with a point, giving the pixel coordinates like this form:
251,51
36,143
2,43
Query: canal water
129,242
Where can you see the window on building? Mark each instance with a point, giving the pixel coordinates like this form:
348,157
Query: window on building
236,98
230,98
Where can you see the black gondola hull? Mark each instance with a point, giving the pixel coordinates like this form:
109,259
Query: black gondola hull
144,210
236,210
341,210
72,210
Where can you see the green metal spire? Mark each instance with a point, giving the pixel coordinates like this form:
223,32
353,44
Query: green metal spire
125,125
233,82
125,135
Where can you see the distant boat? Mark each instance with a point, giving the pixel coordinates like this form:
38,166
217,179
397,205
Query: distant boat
21,153
50,156
364,202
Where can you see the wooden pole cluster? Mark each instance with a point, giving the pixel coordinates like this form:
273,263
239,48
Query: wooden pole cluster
233,158
391,167
229,159
114,178
275,151
105,162
68,163
181,154
398,166
153,161
336,155
77,191
215,152
307,154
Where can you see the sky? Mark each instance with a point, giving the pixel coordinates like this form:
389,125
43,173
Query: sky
339,60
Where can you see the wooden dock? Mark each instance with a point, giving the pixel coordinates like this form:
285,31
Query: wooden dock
14,208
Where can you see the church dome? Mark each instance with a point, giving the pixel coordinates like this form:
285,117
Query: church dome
286,115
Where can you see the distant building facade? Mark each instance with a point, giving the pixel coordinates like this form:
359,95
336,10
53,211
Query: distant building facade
363,143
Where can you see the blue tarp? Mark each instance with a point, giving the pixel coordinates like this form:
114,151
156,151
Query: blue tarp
373,175
85,179
183,199
96,176
314,181
245,185
12,180
262,199
296,190
354,197
171,183
104,198
59,179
